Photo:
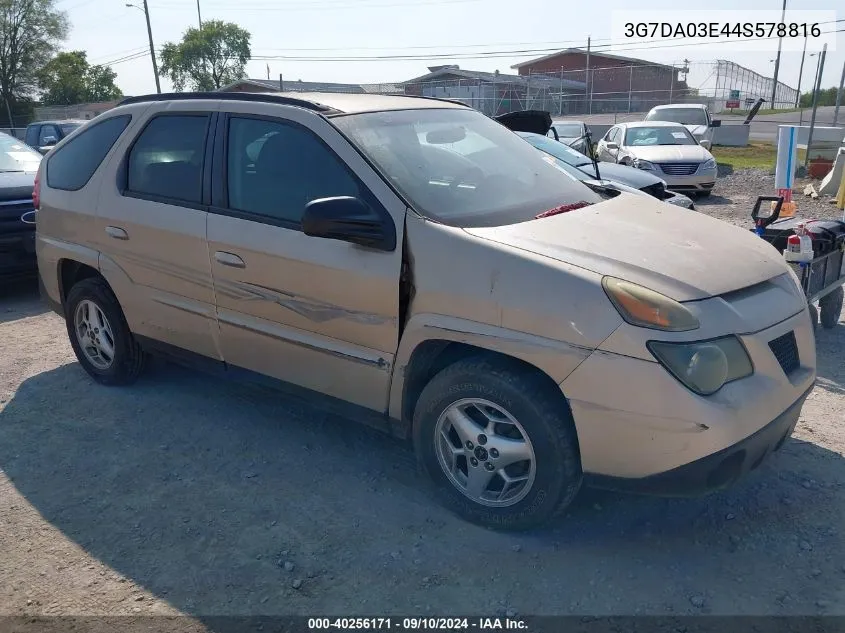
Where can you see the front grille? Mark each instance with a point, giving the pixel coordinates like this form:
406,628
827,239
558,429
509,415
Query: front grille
657,190
785,349
679,169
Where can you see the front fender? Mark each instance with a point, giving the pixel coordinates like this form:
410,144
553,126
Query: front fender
555,358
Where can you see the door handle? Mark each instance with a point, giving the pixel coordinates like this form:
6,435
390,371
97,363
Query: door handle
229,259
117,233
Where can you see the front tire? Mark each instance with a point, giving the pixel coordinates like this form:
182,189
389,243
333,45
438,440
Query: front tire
99,334
498,443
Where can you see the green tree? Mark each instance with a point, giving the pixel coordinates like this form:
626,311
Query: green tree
827,97
68,78
207,58
30,34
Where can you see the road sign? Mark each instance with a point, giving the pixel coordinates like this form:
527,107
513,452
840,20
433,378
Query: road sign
732,104
734,94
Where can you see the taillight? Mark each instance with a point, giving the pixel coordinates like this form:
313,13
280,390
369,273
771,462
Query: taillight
36,190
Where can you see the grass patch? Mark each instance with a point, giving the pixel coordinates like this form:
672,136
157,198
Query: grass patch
756,156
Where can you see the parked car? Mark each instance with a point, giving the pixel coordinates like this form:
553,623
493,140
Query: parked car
43,135
18,166
571,133
694,116
667,150
414,264
618,174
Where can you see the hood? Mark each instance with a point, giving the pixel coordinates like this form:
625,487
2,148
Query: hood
16,185
631,176
681,254
671,153
535,121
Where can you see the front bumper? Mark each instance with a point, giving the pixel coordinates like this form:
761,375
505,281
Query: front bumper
17,255
716,471
635,420
704,180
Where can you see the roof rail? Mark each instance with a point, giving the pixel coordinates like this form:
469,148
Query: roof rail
263,97
455,101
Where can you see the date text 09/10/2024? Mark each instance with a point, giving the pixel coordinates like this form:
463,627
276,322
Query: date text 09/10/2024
417,624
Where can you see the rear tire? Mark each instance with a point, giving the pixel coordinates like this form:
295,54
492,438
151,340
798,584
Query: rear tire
522,443
831,308
99,335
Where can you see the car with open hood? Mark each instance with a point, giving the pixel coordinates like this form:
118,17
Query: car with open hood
410,263
666,150
530,125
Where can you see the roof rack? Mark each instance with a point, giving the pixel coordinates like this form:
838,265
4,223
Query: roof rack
263,97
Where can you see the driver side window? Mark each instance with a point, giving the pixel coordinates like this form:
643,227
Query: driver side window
275,169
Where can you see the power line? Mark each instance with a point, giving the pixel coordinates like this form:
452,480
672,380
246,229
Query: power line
508,53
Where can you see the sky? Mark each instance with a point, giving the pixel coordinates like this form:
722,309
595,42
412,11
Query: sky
110,32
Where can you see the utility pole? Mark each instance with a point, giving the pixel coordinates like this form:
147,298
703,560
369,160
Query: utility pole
199,15
816,91
839,95
152,46
777,60
589,88
800,73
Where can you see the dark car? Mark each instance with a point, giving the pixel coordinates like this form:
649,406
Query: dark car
534,126
18,166
631,176
43,135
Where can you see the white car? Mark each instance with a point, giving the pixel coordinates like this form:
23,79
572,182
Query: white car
667,150
693,116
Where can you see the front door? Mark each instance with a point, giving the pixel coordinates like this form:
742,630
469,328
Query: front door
318,313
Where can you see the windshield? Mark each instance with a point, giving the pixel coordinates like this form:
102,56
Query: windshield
568,130
460,167
67,128
638,136
556,148
684,116
15,156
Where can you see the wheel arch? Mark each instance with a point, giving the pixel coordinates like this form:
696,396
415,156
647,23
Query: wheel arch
419,360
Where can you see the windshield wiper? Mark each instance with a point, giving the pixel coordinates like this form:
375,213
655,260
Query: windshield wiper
11,171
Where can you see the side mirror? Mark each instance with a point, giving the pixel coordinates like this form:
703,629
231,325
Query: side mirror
716,123
705,143
611,145
348,219
49,140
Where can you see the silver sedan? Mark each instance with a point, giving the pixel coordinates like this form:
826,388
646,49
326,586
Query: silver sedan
665,149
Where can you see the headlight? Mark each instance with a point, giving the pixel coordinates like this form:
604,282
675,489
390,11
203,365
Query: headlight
704,367
639,163
709,164
646,308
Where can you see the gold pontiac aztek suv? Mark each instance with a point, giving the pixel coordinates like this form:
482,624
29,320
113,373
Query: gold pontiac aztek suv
414,264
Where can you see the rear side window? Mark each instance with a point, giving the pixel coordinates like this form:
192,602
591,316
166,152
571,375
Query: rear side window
73,164
166,161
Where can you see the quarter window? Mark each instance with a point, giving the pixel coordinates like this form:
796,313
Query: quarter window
166,160
72,165
275,169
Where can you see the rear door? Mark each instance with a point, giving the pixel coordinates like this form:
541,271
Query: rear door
322,314
152,217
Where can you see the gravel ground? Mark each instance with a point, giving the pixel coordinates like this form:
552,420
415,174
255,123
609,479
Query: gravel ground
185,494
